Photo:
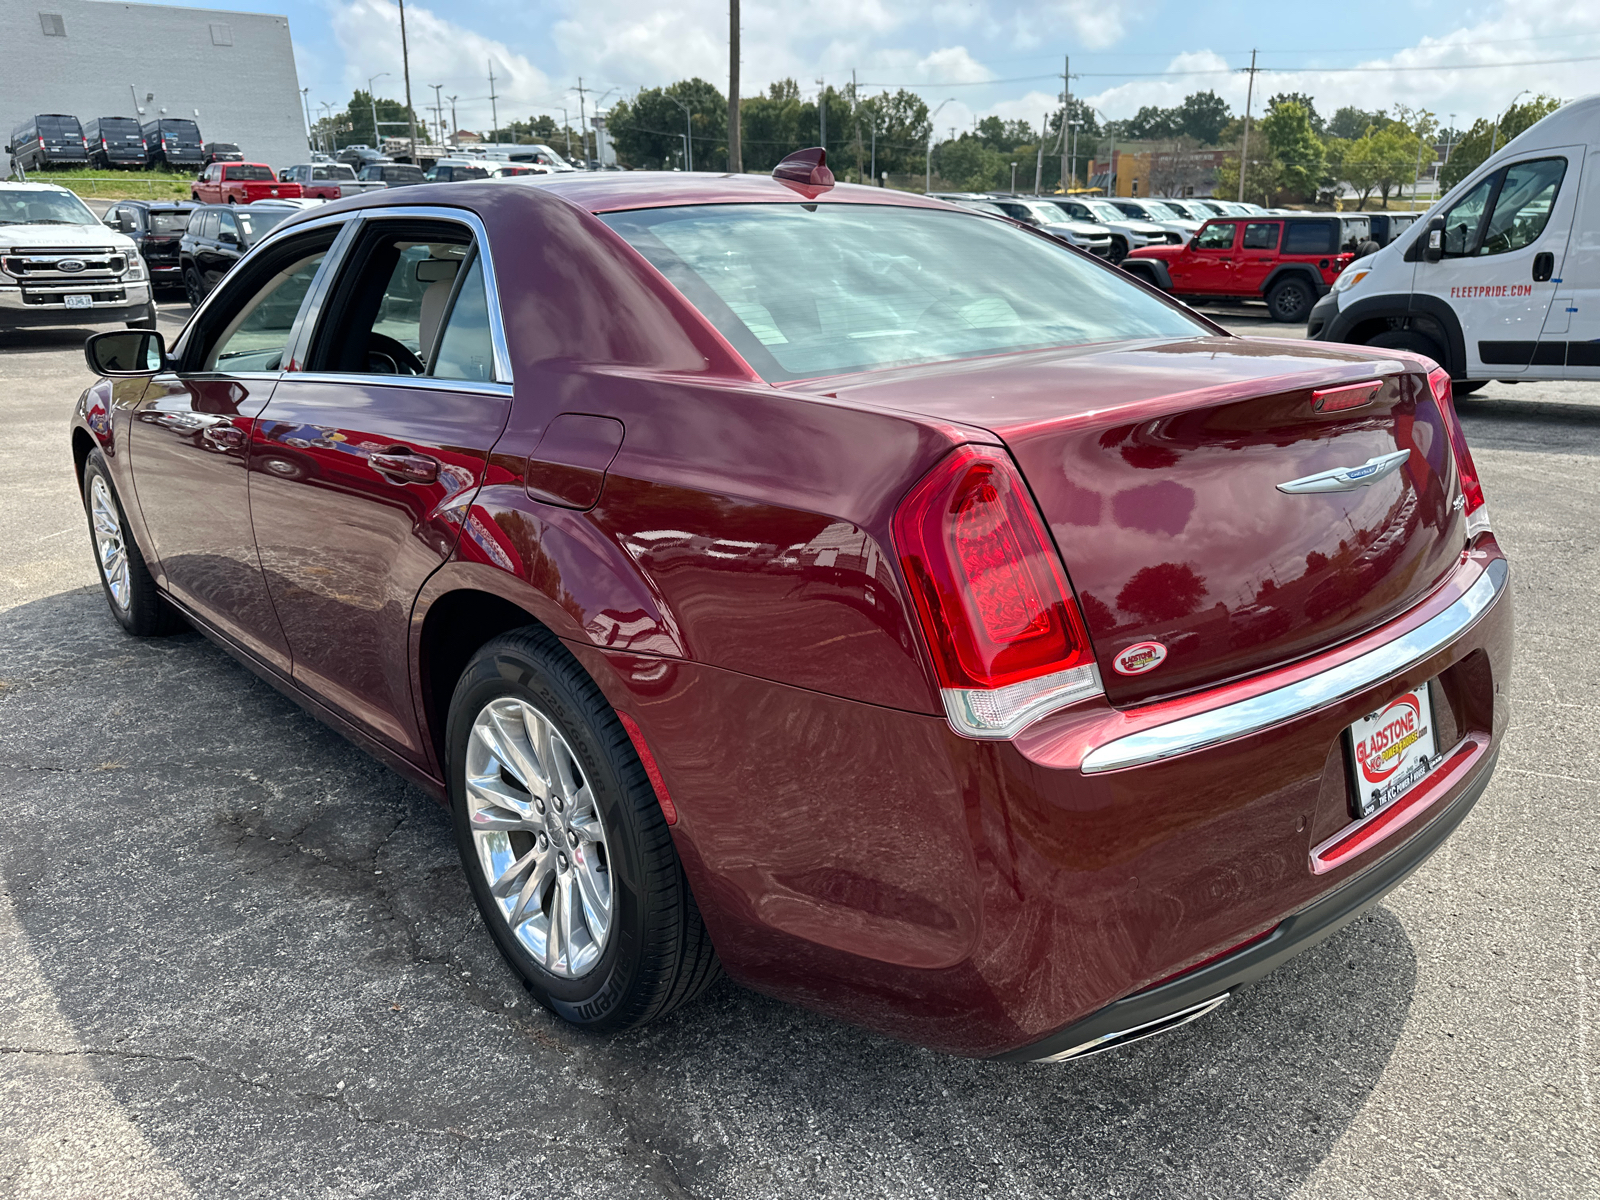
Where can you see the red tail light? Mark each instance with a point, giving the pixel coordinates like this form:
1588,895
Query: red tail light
1471,489
1007,639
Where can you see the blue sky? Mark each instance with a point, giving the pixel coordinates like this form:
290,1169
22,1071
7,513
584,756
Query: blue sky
984,56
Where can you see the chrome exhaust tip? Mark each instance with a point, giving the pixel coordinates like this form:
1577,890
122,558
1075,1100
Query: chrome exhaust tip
1138,1033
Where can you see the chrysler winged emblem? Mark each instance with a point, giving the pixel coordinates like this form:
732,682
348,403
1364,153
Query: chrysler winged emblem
1347,479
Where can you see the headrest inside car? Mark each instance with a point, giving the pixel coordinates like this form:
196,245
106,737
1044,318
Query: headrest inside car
436,270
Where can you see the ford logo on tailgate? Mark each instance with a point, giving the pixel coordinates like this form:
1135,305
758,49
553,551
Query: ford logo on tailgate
71,266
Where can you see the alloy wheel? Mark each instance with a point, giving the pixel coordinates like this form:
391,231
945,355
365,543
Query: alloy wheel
108,544
539,838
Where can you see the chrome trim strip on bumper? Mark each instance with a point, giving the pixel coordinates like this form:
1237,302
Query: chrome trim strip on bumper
1296,699
1124,1037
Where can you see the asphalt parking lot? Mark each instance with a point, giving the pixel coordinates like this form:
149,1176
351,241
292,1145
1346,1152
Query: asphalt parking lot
238,958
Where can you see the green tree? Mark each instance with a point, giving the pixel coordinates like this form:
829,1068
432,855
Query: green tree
649,131
901,120
356,121
1350,123
1262,181
1305,102
1294,143
972,166
1203,116
1485,136
1150,123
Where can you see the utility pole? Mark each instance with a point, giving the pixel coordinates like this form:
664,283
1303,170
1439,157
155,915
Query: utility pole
305,94
855,107
405,66
438,107
735,142
821,112
1038,167
455,125
1244,154
1449,135
494,109
583,125
568,128
1066,115
927,179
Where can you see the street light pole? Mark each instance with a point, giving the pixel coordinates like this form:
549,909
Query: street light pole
305,94
688,143
377,138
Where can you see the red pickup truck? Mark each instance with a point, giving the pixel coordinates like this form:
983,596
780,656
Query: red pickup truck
241,183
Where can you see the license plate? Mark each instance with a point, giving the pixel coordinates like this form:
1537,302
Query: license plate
79,301
1391,750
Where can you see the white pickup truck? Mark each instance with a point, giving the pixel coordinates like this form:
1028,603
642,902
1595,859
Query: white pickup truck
327,181
60,266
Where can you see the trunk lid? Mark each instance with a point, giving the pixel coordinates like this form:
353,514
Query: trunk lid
1158,469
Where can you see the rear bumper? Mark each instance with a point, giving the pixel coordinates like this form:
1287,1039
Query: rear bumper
998,899
1194,993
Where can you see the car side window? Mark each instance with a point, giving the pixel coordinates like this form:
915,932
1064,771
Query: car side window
1462,222
1309,237
1215,237
226,225
254,337
1261,236
412,301
1522,207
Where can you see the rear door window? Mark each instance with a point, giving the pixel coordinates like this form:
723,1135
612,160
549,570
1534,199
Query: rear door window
1261,236
1308,237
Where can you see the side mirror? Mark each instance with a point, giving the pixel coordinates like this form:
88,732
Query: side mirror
228,239
123,353
1433,247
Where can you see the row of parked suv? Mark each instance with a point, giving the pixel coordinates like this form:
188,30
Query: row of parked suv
60,140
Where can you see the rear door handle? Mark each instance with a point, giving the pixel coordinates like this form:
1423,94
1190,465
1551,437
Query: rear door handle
400,463
1544,266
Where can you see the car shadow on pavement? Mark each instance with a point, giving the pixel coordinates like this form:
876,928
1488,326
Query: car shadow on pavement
260,944
1496,418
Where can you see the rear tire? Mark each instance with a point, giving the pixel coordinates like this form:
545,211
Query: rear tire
559,800
1409,339
1290,300
129,587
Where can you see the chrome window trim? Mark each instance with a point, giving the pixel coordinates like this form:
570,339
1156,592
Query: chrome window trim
434,212
1297,699
180,344
415,382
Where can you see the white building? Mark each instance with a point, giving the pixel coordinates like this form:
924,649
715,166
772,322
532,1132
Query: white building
230,72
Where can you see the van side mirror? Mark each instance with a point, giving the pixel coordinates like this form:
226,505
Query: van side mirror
1433,247
123,353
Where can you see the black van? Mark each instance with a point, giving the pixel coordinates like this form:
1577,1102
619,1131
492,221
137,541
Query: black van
48,140
114,142
175,142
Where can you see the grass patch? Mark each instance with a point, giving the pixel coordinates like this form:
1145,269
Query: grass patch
94,184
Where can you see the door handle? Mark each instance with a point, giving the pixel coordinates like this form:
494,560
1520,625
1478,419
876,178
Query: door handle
400,463
1544,266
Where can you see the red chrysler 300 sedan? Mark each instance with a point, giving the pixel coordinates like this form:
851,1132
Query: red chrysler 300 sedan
913,617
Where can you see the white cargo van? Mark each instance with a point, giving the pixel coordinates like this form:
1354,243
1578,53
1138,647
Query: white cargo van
1501,278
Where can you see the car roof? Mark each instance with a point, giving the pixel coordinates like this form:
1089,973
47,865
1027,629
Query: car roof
616,191
162,205
35,187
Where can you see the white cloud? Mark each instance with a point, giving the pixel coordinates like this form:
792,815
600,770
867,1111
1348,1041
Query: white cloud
442,52
1493,58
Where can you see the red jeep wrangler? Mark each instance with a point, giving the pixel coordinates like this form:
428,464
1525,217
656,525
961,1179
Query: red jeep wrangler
241,183
1289,261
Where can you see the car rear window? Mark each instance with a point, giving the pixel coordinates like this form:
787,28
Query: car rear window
250,173
806,291
181,133
169,222
125,128
408,173
1309,237
53,126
